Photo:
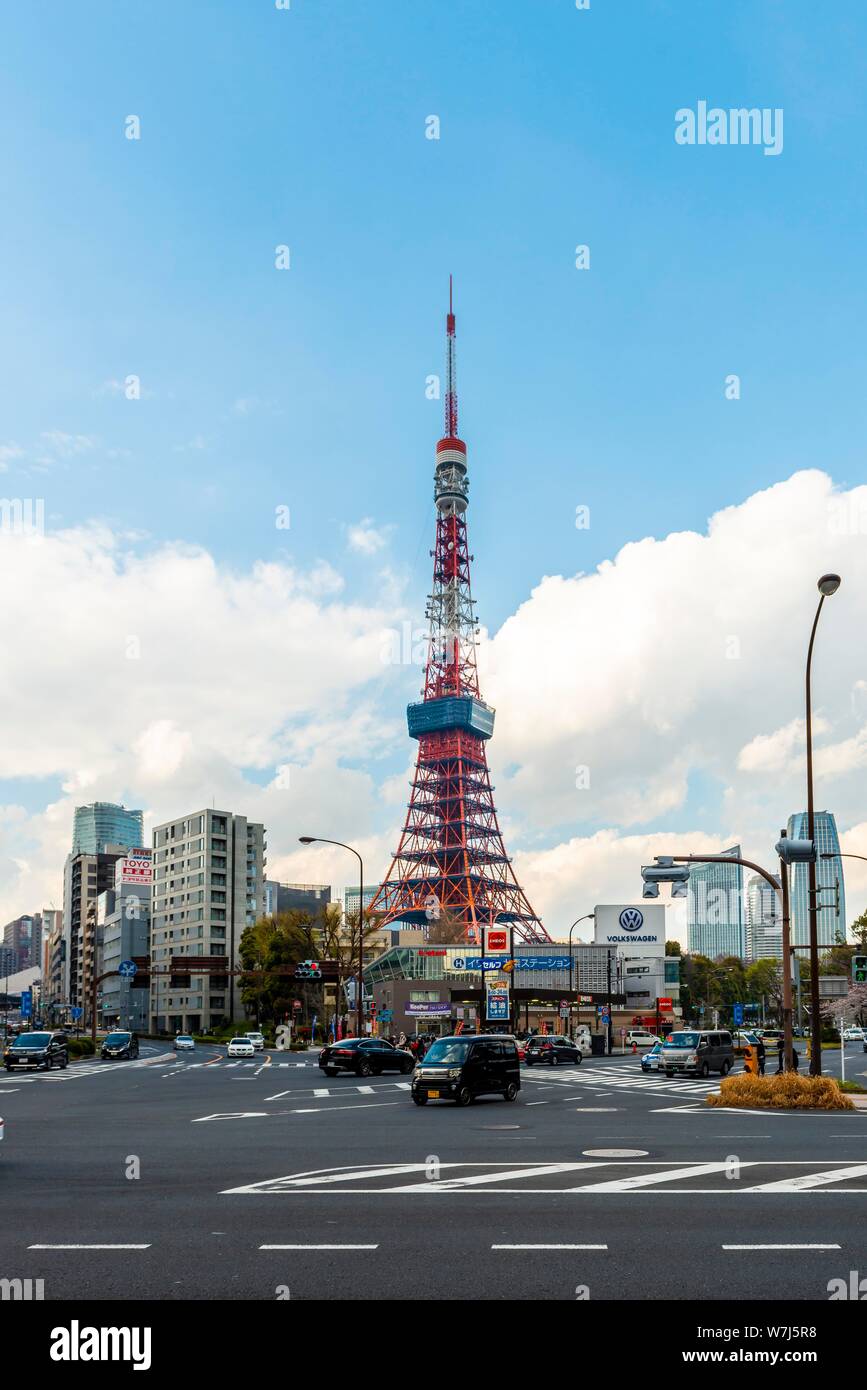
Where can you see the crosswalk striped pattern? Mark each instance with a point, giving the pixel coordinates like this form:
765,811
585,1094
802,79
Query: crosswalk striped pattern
614,1076
581,1177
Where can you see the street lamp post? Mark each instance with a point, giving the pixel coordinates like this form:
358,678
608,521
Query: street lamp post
359,995
573,989
828,584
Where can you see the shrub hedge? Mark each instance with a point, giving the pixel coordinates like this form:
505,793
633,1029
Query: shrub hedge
787,1091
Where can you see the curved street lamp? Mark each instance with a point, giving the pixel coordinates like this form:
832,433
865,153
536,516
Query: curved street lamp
573,989
828,584
359,996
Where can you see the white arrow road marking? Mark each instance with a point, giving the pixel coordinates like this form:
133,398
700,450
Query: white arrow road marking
812,1180
233,1115
696,1170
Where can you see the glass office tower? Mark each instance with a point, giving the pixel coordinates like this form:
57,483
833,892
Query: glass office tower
715,919
103,823
829,872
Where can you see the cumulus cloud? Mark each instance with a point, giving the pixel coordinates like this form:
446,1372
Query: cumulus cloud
652,706
365,538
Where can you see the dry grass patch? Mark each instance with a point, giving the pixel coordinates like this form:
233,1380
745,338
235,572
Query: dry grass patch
788,1091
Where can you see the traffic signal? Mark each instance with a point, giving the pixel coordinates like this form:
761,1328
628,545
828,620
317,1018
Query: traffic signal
308,970
859,970
796,851
665,871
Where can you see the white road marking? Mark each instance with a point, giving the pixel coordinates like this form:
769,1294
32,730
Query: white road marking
812,1180
318,1247
365,1090
696,1170
454,1184
549,1247
319,1091
782,1247
88,1247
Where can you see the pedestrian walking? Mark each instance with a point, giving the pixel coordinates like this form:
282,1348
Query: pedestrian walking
760,1054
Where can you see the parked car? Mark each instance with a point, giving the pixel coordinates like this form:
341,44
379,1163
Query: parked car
365,1057
652,1060
771,1037
698,1053
45,1050
460,1068
257,1039
184,1043
641,1038
240,1047
120,1046
552,1049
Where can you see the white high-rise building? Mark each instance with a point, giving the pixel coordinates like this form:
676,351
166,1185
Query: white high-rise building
764,920
209,884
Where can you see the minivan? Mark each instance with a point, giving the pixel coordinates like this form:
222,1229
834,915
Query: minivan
698,1053
461,1068
34,1049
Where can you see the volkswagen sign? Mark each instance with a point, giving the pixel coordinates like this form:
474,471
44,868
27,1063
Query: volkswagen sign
634,930
631,919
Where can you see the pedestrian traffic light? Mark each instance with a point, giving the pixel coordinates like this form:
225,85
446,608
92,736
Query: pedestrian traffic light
859,970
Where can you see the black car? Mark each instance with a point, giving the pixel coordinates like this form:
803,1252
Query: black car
461,1068
364,1056
37,1050
119,1046
551,1049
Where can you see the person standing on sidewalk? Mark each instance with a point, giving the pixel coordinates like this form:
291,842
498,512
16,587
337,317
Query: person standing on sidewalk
760,1054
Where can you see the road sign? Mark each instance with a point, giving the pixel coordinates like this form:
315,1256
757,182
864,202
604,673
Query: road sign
76,1013
738,1014
26,1003
604,1013
497,1009
127,969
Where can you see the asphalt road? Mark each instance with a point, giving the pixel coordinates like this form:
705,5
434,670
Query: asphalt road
636,1188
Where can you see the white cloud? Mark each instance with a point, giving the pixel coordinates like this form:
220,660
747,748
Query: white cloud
672,678
366,538
8,453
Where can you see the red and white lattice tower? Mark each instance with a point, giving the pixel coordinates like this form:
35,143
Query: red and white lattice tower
451,859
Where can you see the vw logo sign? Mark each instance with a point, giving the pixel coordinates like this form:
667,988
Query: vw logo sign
631,919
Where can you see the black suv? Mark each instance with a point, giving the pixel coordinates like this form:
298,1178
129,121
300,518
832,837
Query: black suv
463,1067
119,1045
551,1050
364,1056
37,1050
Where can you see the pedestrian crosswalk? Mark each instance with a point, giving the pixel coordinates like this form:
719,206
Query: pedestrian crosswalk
626,1076
580,1177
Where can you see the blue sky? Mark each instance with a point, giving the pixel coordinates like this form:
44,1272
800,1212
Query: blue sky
306,388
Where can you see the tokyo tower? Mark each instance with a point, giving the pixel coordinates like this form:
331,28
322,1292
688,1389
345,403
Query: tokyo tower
451,860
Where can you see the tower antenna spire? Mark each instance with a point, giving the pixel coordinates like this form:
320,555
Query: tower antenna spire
451,420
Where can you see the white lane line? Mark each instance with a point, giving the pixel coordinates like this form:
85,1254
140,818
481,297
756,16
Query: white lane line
782,1247
551,1247
88,1247
811,1180
403,1085
595,1109
538,1102
696,1170
318,1247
